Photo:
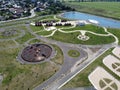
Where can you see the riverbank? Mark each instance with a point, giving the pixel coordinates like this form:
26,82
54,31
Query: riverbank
104,9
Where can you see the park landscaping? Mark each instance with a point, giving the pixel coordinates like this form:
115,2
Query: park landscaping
89,27
73,53
71,33
43,33
116,32
35,29
81,80
72,38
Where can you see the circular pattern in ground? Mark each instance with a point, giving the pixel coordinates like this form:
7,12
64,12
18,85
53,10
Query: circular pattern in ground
36,52
83,37
73,53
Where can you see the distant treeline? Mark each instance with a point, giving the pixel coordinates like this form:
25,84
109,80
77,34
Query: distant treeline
93,0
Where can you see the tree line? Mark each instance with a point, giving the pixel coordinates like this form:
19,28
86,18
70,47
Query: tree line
94,0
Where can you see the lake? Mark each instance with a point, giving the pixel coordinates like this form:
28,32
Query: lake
106,22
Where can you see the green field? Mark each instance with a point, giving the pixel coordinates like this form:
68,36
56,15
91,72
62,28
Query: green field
59,58
107,9
72,38
23,76
89,27
116,32
17,76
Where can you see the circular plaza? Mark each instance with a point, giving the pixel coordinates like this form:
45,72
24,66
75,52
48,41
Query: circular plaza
36,52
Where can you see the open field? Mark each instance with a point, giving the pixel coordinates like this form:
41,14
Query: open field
19,76
107,9
72,38
37,28
2,36
89,27
34,41
58,59
43,33
26,37
6,44
81,80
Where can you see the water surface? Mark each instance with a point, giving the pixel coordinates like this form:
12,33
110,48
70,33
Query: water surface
106,22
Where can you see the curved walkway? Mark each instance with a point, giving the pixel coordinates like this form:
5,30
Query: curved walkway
105,29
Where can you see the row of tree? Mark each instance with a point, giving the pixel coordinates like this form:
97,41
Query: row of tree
94,0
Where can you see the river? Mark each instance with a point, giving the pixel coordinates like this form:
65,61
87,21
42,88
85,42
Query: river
106,22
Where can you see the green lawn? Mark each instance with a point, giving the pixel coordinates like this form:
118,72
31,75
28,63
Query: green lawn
116,32
88,27
74,53
58,59
35,41
37,28
7,44
72,38
108,9
43,33
25,38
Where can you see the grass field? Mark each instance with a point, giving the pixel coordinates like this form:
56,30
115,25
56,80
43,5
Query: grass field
72,38
58,59
23,76
116,32
73,53
107,9
89,27
37,28
43,33
2,36
6,44
17,76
